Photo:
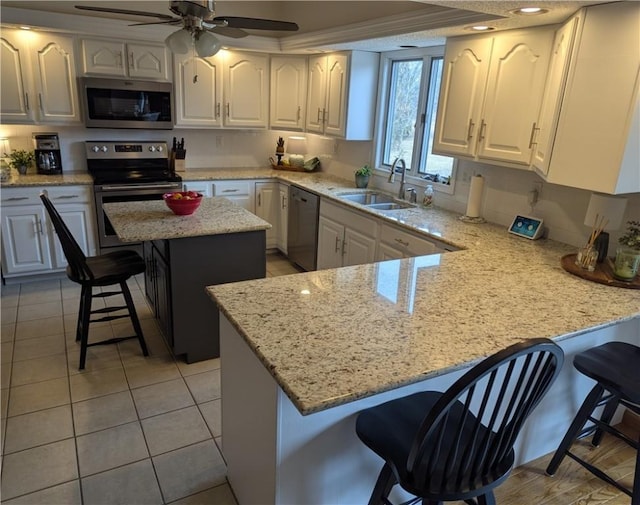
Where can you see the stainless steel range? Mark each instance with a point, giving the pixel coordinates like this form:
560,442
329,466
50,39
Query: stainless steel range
127,172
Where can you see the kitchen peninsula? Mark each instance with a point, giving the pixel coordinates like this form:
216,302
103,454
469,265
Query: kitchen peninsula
303,354
220,243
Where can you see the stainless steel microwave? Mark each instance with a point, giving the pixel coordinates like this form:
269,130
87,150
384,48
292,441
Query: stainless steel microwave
123,103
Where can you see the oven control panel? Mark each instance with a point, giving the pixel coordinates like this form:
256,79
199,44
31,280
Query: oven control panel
98,149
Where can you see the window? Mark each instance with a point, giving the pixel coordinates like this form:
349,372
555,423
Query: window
410,81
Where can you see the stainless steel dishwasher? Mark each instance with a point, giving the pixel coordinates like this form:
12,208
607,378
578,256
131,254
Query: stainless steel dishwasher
302,235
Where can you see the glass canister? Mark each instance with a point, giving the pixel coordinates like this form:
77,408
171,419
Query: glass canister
627,264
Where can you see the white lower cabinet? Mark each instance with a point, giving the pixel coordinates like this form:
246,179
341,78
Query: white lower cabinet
266,207
396,243
239,192
29,242
345,237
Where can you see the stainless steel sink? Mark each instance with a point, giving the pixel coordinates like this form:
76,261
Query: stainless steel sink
368,198
390,205
375,200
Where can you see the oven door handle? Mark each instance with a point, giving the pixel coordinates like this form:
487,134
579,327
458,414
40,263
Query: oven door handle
118,187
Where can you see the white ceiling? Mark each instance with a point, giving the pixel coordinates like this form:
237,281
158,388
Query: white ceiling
324,25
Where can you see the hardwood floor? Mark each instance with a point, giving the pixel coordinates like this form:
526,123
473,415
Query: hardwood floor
572,484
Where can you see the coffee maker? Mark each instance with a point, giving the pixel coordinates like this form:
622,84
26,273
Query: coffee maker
47,153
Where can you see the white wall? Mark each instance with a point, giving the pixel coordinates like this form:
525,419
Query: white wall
505,190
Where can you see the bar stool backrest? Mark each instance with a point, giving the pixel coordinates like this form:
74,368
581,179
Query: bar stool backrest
466,441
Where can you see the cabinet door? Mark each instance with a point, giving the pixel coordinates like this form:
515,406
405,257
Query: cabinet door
25,246
386,252
317,85
163,296
514,93
79,219
288,92
556,79
359,249
464,76
336,99
283,223
198,83
266,207
246,90
147,61
330,236
16,106
104,57
54,74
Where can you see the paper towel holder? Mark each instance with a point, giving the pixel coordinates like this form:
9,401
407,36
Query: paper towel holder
474,203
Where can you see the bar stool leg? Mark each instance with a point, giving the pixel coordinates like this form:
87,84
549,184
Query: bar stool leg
579,421
635,499
85,316
607,415
80,313
134,317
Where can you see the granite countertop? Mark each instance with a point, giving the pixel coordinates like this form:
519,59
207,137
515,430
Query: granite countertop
153,220
16,180
331,337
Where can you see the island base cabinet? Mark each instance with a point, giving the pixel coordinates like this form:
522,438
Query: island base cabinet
180,275
276,455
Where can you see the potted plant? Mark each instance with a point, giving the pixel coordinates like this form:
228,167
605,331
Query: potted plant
362,176
627,261
21,160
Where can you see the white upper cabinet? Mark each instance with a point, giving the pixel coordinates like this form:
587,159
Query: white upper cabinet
490,96
38,76
230,89
125,59
341,94
597,140
288,92
198,85
554,89
246,90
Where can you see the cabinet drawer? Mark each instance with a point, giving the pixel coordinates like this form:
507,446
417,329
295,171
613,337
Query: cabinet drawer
349,218
232,188
57,194
408,242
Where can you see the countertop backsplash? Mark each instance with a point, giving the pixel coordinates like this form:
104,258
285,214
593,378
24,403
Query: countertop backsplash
505,190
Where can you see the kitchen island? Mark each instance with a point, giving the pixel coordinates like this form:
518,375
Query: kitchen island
221,242
303,354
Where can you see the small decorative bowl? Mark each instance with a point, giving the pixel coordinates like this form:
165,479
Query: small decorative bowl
183,203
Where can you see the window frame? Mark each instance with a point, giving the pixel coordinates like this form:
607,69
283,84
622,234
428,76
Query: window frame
384,86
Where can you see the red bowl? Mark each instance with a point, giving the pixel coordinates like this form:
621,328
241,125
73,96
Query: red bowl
182,203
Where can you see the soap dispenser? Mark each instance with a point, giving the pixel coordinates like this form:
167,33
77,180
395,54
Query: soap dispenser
427,199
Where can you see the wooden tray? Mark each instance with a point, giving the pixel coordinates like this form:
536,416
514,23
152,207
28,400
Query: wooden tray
603,274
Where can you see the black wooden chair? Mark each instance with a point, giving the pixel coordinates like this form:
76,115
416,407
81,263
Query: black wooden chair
615,366
94,272
458,445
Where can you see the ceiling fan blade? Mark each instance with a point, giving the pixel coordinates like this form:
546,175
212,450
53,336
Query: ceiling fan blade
227,31
174,21
256,24
124,11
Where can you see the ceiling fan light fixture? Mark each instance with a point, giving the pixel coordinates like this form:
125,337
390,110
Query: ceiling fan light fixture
206,44
179,42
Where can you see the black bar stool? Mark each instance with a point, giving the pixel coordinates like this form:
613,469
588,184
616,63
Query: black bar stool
458,445
615,366
109,269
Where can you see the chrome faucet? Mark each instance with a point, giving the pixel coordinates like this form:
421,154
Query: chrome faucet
393,174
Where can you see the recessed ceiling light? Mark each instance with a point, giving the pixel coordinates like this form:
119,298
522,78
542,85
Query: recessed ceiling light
479,28
529,11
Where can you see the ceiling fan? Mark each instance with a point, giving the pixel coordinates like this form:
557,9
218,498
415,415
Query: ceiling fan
198,19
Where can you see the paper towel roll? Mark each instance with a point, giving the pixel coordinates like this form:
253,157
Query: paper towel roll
474,203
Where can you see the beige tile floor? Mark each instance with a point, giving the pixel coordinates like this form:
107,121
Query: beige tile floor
126,430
